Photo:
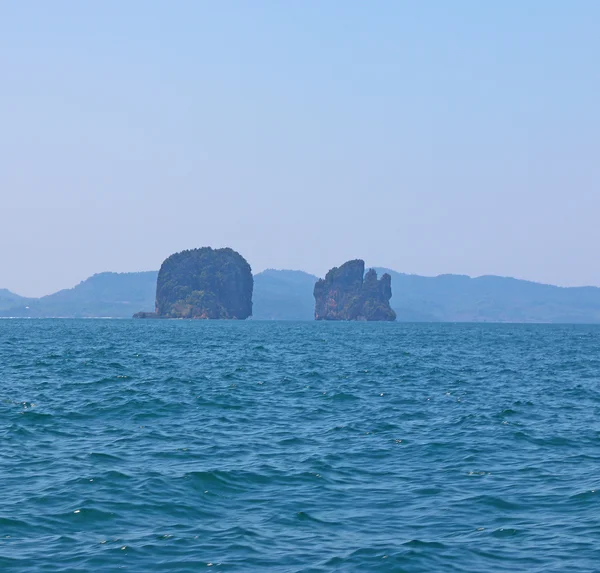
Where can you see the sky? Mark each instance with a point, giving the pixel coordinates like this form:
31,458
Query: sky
424,136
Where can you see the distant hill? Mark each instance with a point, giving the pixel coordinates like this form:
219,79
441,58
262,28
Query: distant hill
117,295
8,299
278,295
459,298
283,295
288,295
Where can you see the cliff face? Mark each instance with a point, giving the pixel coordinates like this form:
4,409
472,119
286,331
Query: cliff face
347,293
204,283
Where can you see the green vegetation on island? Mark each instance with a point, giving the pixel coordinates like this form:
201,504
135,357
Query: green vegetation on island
204,283
347,293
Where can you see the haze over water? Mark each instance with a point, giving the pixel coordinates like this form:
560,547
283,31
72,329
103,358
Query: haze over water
265,446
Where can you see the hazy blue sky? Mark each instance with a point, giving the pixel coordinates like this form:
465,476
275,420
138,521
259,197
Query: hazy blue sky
425,136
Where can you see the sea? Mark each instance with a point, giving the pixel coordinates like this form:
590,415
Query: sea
185,446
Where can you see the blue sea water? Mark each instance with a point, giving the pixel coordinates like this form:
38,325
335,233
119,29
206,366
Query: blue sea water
269,446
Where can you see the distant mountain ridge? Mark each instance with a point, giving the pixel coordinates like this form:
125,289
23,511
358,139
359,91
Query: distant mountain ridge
9,299
288,295
283,295
116,295
460,298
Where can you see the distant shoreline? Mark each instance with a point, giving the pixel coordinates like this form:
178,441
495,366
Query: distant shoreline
288,295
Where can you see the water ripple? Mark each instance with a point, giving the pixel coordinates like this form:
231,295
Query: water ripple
298,447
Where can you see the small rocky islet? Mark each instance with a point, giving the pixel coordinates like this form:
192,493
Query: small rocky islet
209,283
203,283
346,293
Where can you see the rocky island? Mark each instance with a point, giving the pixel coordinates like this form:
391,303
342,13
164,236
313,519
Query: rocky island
203,283
347,293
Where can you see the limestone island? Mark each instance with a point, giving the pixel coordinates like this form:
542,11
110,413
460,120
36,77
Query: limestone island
203,283
347,293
